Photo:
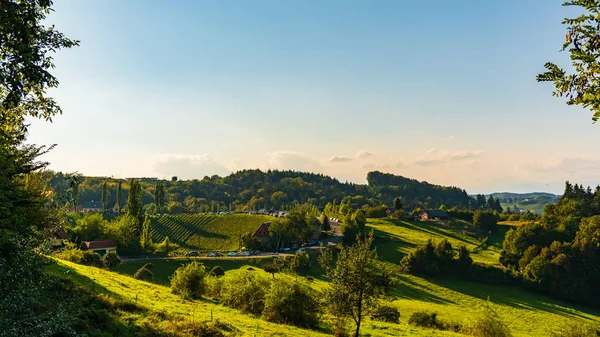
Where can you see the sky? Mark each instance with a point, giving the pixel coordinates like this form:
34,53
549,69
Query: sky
439,91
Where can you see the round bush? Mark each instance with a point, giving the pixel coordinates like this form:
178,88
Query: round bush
188,281
91,259
423,319
514,217
386,313
244,291
291,303
111,260
217,271
144,274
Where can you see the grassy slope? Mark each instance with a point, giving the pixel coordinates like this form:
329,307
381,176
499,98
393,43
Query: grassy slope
535,208
394,238
206,232
157,298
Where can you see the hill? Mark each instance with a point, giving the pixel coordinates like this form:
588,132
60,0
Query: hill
273,189
205,232
534,202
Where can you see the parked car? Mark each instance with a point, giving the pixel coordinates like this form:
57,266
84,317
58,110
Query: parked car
218,254
231,254
256,252
210,254
301,250
295,246
246,253
190,254
285,249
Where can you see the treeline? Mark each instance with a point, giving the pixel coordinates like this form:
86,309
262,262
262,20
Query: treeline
256,189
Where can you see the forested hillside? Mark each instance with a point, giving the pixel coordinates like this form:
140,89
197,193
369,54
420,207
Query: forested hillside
273,189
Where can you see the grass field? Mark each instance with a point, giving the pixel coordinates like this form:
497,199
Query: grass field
455,301
395,239
206,232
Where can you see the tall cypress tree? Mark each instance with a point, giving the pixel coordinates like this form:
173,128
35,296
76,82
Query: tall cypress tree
104,197
119,196
134,203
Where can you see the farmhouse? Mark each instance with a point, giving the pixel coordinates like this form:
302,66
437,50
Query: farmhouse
100,247
262,233
92,206
433,214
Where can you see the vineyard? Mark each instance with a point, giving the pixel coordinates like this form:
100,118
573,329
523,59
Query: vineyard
206,232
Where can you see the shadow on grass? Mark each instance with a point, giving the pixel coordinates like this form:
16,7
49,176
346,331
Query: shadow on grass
408,289
515,298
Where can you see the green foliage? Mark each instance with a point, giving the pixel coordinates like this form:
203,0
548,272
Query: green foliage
485,219
134,205
146,238
90,258
386,313
580,87
104,197
88,228
70,253
111,260
578,329
437,259
514,217
424,319
217,271
245,291
144,273
397,203
273,266
325,225
376,211
119,196
188,281
292,303
357,280
125,232
488,324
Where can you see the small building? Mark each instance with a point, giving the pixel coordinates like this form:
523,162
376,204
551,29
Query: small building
100,247
262,233
433,214
92,206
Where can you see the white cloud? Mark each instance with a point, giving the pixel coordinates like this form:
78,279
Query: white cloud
432,157
363,154
340,159
291,160
571,166
188,166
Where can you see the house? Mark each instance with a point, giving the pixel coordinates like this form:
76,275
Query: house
100,247
433,214
93,206
316,234
57,238
262,233
79,208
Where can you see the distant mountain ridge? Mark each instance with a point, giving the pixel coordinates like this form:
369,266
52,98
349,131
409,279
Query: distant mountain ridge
523,195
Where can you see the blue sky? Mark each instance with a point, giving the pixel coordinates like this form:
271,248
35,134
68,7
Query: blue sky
442,91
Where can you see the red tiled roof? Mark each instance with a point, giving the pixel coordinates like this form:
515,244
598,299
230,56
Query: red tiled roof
99,244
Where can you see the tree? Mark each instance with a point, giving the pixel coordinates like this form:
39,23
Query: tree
119,196
582,86
289,302
397,203
104,197
188,281
357,280
146,238
159,196
111,259
134,202
485,219
325,223
491,203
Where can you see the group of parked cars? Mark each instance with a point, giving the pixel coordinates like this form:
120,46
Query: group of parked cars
230,254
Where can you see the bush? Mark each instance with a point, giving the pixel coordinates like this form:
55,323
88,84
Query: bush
488,324
188,281
70,254
578,329
144,273
423,319
386,313
217,271
485,219
111,260
514,217
245,291
212,289
291,303
91,259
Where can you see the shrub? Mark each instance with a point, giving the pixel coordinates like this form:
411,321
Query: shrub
217,271
91,259
111,260
245,291
578,329
423,319
386,313
71,254
291,303
488,324
144,273
514,217
272,267
188,281
213,286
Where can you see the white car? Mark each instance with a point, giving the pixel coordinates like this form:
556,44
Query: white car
230,254
211,254
245,253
